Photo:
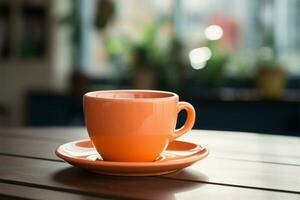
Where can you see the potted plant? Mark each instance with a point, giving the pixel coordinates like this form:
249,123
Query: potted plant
212,76
150,55
143,73
270,76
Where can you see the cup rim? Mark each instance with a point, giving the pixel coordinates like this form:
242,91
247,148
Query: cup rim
170,96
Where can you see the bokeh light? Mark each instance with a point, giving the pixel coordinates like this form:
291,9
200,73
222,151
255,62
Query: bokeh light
213,32
199,57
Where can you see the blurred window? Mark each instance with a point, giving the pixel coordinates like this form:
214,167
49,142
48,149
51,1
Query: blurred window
247,30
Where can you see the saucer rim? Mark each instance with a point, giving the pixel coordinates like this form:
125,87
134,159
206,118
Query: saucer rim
199,155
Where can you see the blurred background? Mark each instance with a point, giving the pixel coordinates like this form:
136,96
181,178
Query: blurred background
236,61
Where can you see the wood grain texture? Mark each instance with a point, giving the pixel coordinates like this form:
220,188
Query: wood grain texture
262,175
249,146
13,191
61,177
249,174
222,144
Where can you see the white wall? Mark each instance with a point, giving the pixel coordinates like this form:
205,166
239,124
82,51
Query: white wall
61,53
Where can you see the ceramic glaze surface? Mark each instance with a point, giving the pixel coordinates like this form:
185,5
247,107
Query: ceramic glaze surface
134,125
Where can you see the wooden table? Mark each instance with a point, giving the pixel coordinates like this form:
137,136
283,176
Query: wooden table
240,165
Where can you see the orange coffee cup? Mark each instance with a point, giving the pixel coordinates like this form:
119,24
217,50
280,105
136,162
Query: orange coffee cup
134,125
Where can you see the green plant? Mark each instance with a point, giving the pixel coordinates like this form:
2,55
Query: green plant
212,74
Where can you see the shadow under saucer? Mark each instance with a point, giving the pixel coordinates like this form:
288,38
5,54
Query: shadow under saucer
161,187
187,174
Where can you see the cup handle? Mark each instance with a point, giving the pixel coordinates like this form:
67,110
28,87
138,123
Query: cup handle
190,120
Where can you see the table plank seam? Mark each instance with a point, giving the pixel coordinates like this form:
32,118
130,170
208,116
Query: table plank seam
238,186
266,154
178,179
61,140
38,138
30,157
254,171
13,196
235,159
93,194
47,187
269,162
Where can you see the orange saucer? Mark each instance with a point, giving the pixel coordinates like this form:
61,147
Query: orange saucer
178,155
